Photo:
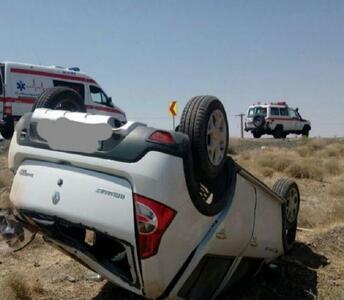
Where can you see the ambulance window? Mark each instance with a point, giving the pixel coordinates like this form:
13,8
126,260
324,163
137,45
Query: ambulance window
2,79
260,111
284,111
274,111
78,87
98,96
292,113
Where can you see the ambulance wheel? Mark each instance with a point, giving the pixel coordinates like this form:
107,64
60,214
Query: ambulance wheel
204,120
289,191
60,98
305,131
7,130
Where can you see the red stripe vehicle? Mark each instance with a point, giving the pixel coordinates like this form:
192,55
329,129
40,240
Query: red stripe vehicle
277,119
21,85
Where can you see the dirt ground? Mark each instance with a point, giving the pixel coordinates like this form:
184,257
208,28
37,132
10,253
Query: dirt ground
313,270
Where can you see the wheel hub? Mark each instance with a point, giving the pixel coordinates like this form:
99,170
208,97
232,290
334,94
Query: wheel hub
216,137
292,205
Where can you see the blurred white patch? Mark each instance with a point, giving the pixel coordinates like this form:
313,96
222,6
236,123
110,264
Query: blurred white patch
69,135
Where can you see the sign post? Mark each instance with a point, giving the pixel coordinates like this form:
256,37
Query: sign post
241,124
173,109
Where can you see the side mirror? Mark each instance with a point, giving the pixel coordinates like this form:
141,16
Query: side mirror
110,101
297,109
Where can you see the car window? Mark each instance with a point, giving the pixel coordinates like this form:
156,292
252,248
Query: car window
274,111
284,111
250,112
98,96
292,113
2,79
260,111
78,87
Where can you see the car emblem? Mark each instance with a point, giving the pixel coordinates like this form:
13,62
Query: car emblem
56,198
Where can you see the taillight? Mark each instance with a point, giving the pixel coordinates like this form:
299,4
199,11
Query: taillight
152,220
162,137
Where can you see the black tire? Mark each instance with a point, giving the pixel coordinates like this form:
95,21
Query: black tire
218,190
305,131
258,121
290,210
60,98
278,132
256,135
195,122
7,130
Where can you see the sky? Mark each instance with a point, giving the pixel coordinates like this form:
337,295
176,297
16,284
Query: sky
147,53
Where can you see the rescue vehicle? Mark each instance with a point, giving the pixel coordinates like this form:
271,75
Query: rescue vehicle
21,85
277,119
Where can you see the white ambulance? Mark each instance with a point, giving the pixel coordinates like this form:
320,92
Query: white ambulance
277,119
21,85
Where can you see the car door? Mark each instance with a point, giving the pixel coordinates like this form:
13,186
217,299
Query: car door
294,119
299,122
286,120
99,102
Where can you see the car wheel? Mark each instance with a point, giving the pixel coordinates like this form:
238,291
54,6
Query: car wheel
204,120
60,98
278,132
305,131
256,135
258,121
289,191
7,130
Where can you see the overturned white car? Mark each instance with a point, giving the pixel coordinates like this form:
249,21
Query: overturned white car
163,214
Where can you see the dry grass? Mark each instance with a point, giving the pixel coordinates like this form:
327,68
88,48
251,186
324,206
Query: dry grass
336,189
14,287
273,161
315,159
302,169
317,165
332,166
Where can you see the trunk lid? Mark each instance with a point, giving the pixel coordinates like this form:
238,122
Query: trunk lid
72,203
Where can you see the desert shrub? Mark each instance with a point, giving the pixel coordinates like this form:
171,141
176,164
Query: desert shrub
276,162
332,166
317,144
267,172
305,169
303,151
337,189
15,286
4,199
231,150
245,156
333,150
